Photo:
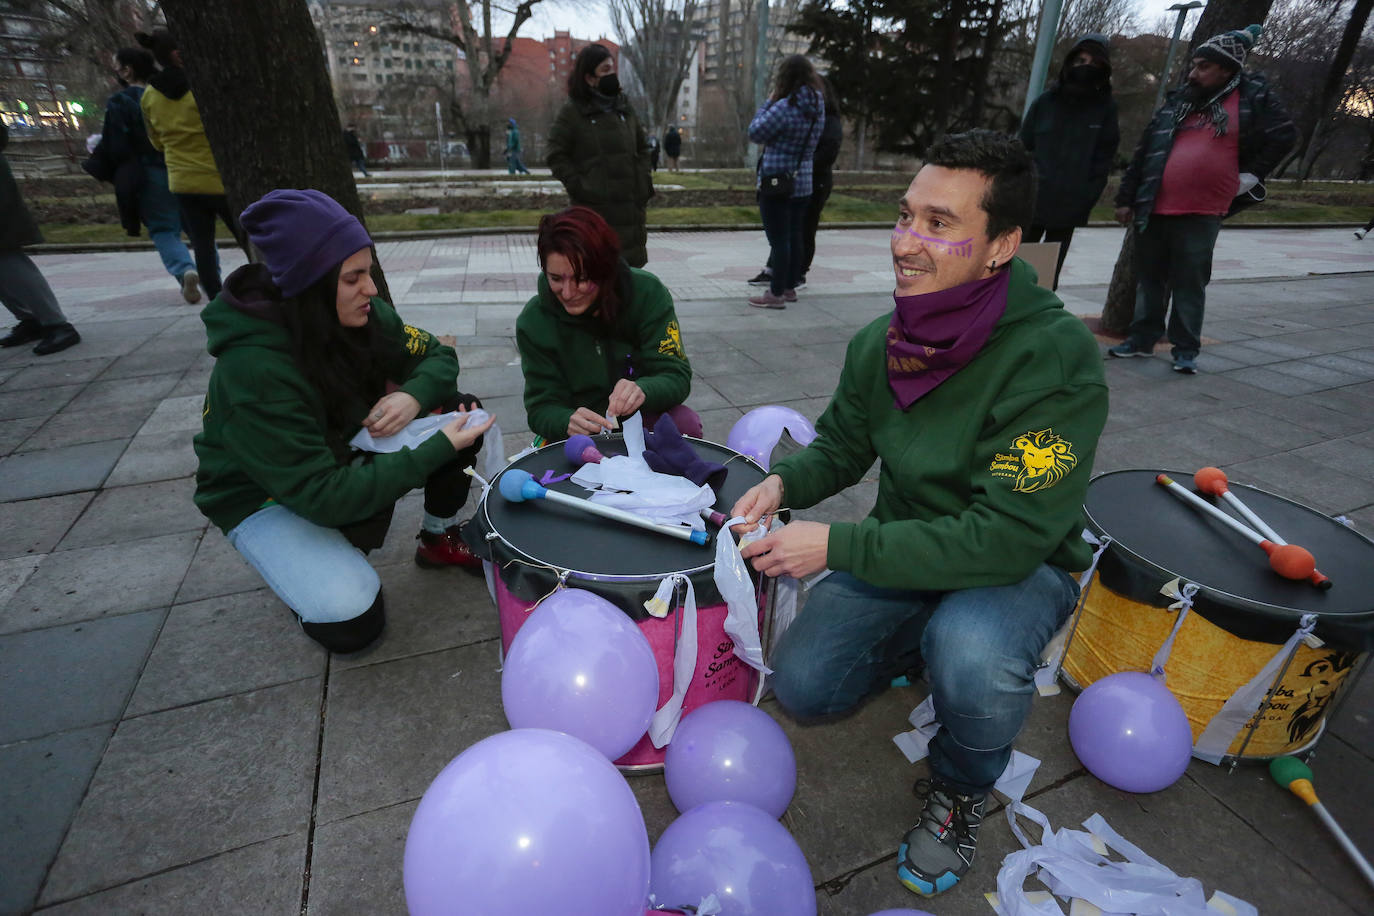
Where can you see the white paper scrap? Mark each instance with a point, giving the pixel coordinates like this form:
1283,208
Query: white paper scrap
414,432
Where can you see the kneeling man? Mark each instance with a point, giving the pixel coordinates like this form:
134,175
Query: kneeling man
983,399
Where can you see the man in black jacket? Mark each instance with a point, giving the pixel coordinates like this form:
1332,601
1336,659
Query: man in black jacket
1202,158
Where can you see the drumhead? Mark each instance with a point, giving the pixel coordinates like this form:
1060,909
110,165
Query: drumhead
1157,536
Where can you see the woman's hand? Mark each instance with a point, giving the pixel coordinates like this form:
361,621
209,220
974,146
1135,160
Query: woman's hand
391,414
626,398
587,423
460,434
759,502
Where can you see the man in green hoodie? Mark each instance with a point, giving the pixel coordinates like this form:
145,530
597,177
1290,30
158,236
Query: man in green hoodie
982,399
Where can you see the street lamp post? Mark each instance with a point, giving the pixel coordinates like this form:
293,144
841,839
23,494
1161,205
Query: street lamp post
1183,10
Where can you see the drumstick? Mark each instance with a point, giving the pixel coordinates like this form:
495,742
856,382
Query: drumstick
1296,777
580,450
1288,560
1213,480
517,486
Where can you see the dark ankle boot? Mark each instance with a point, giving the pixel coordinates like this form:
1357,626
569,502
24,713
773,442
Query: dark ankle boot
350,635
57,338
25,331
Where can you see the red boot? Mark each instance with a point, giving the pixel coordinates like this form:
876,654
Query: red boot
439,550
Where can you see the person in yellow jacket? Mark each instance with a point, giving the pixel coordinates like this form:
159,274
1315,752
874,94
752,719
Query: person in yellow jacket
174,127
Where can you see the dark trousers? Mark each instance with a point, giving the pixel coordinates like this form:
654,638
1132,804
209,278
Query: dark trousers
783,222
360,164
1369,225
1046,234
820,193
1173,254
198,214
446,490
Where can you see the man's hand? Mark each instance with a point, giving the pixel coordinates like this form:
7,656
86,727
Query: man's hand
1124,214
795,550
391,414
626,398
760,501
587,422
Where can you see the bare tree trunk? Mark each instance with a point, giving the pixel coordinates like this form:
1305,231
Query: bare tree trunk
1224,15
240,59
1350,39
1119,308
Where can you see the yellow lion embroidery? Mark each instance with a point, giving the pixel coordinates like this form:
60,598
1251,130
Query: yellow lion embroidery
417,341
671,344
1045,460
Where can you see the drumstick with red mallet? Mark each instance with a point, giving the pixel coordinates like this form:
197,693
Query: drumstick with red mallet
580,450
1288,560
1213,480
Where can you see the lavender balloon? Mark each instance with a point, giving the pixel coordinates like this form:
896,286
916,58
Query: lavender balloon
730,751
504,831
579,665
1131,733
737,852
757,432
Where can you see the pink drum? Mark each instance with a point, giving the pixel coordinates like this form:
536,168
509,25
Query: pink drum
537,545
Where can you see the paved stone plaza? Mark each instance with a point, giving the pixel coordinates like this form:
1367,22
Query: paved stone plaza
171,743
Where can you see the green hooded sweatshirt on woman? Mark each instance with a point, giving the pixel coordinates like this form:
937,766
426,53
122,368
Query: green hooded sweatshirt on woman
983,478
573,361
265,435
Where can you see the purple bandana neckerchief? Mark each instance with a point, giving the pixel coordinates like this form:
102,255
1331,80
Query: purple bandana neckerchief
934,335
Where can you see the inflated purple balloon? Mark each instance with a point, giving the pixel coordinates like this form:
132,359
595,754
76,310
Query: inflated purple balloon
730,751
580,665
741,854
755,433
1131,733
527,821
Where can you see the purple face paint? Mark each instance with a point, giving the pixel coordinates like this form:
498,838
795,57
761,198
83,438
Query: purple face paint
962,249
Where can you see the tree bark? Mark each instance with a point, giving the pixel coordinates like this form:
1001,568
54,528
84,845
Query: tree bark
1224,15
1331,89
258,74
1119,308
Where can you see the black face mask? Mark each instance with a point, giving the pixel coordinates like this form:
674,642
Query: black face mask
1082,74
609,84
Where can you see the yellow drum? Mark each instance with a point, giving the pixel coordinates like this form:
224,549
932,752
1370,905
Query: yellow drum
1242,613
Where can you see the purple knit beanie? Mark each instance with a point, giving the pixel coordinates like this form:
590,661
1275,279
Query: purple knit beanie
302,236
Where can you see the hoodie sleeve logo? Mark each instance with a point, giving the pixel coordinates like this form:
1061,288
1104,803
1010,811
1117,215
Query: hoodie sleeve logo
671,344
1044,460
417,341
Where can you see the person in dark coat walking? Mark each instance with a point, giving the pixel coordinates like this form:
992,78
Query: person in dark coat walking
598,150
22,288
355,149
1071,132
672,147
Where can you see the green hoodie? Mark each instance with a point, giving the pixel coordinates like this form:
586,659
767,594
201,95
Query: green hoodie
264,435
983,478
573,361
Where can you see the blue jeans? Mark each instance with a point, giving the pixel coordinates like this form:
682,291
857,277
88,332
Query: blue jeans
1173,259
981,647
313,569
162,216
783,222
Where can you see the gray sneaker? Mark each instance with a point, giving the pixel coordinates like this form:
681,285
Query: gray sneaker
1129,348
1185,364
939,850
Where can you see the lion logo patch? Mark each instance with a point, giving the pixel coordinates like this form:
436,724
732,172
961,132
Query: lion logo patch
1044,460
417,341
671,344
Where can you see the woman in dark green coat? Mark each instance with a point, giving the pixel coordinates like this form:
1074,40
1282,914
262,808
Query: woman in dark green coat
598,149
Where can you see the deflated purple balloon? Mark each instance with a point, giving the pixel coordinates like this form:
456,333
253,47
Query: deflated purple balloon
730,751
580,665
757,432
1129,730
527,821
741,854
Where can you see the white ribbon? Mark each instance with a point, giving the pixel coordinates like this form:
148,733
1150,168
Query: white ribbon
1183,603
1075,864
742,605
1223,727
664,722
915,745
1052,658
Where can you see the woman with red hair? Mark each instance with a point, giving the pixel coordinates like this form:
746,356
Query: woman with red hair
601,339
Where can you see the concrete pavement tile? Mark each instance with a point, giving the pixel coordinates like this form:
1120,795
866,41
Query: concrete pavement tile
76,427
37,402
473,357
1284,348
125,514
357,864
1353,720
73,676
1355,403
54,471
195,381
153,358
41,784
225,646
14,572
716,424
492,381
123,392
1149,447
179,786
48,375
176,414
36,525
429,609
393,726
1322,375
1290,475
1277,382
259,878
1342,362
13,433
509,411
156,456
654,803
217,569
751,389
92,582
723,361
1311,411
1252,422
1341,455
783,358
704,396
702,341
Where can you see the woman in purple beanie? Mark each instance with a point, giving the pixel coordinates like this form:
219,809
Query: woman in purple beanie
306,355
